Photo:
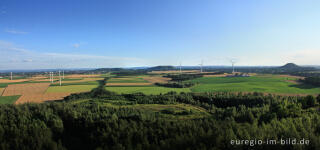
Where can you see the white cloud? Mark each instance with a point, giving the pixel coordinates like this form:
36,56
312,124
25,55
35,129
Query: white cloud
14,57
12,31
27,60
76,45
303,57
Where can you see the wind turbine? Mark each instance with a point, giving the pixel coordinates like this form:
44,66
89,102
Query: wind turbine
59,77
180,67
201,65
232,62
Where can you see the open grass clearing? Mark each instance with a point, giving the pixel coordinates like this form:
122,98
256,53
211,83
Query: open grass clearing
146,90
170,111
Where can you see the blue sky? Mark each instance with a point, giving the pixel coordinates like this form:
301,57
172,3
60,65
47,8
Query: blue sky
125,33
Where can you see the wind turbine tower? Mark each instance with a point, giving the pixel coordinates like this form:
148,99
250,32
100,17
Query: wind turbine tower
50,74
51,77
59,77
180,67
232,62
11,75
201,65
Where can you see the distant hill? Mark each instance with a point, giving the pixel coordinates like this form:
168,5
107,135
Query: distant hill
291,66
161,68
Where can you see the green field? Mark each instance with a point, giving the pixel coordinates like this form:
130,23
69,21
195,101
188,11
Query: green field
3,85
77,83
127,80
72,79
266,84
70,88
146,90
8,99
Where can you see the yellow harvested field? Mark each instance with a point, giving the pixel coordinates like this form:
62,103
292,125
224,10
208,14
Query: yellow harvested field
82,80
1,90
82,76
157,79
39,98
25,89
13,81
127,84
174,71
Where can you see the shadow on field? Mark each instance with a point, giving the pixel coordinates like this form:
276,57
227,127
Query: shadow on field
303,86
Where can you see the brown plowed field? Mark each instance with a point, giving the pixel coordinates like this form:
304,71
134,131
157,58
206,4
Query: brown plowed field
22,89
127,84
39,98
157,79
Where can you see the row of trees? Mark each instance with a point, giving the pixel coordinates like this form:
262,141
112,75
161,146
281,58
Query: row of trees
183,77
176,84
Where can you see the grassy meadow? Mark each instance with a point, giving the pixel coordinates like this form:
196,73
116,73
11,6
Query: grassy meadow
266,84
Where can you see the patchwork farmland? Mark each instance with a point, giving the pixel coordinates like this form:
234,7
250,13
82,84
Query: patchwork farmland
38,89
